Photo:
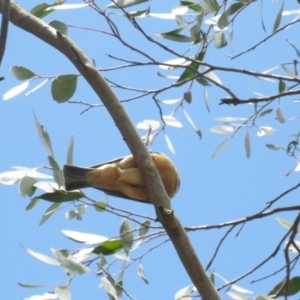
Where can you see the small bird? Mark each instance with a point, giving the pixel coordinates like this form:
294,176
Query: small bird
121,177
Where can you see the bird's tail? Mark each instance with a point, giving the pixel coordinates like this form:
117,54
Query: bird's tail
75,177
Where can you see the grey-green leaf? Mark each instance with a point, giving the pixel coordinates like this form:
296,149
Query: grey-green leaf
63,87
126,235
125,3
40,10
57,172
144,228
141,273
233,8
265,112
44,136
32,203
59,26
278,18
100,206
72,266
295,48
210,6
220,40
247,144
48,213
220,148
63,293
281,86
26,187
223,20
21,73
280,115
187,96
274,147
70,151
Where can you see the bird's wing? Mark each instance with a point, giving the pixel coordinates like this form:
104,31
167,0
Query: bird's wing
108,162
121,195
116,160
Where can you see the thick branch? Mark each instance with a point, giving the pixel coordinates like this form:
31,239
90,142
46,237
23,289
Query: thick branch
4,27
46,33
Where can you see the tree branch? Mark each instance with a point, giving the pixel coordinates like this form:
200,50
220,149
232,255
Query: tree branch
158,196
4,27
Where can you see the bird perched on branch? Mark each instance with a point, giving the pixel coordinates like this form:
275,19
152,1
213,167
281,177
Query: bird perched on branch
121,177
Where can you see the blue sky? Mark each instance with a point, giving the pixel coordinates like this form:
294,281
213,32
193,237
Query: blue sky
227,188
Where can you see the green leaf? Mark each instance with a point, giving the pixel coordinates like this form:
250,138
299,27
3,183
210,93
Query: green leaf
220,40
72,266
59,26
187,96
233,8
206,99
278,18
126,235
70,151
274,147
202,81
125,3
86,238
220,148
110,287
102,261
32,204
21,73
57,172
199,132
262,297
175,37
100,206
247,144
289,71
223,21
184,293
40,12
63,87
280,115
144,228
60,196
109,247
295,48
191,5
291,146
295,64
48,213
26,187
195,33
44,136
212,277
141,273
193,68
138,14
265,112
63,293
293,287
210,6
44,258
32,286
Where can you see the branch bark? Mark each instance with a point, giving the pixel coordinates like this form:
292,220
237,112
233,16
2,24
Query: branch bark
161,202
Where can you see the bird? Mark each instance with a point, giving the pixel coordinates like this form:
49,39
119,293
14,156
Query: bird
121,177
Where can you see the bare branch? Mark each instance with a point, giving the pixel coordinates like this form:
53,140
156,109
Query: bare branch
4,27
